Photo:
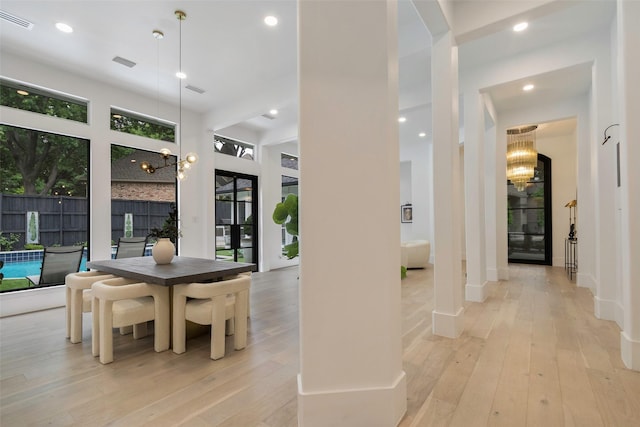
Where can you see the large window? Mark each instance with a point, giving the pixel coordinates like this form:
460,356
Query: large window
24,97
44,200
139,201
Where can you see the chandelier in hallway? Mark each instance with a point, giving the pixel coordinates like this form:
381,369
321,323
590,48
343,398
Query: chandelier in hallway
522,157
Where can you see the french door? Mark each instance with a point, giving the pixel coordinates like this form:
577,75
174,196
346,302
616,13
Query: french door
236,217
529,218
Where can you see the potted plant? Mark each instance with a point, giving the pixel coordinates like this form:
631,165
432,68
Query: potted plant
286,213
166,237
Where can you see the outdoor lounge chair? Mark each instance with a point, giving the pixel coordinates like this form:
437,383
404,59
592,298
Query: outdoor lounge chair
57,262
129,247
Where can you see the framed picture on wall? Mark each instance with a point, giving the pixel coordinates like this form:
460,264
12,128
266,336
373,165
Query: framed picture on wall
406,213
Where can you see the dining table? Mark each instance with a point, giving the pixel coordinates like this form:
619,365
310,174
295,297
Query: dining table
180,270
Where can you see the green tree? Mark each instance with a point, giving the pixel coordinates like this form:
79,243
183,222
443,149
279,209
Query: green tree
40,163
142,127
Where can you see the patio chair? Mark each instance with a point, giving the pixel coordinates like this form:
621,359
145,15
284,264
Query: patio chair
129,247
57,262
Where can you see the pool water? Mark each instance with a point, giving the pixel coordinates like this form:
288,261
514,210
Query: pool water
21,270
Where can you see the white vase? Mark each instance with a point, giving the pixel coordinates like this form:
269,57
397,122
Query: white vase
163,251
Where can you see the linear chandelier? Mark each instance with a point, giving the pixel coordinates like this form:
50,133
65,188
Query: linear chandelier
191,158
522,157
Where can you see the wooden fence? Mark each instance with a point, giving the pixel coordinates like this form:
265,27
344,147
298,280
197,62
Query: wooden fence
64,221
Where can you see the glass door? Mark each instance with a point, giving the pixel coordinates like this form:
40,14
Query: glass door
529,218
236,211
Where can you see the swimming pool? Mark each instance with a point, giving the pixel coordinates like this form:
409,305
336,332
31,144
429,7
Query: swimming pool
12,270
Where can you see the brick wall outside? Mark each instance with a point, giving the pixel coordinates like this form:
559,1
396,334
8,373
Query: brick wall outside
144,191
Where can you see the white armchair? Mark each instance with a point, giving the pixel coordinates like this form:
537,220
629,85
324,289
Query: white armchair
212,304
415,253
117,303
78,293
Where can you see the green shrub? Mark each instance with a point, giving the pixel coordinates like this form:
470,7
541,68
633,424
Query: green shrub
33,247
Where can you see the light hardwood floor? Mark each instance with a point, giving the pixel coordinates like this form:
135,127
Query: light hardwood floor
532,355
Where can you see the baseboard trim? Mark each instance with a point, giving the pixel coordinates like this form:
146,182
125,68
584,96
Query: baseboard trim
380,406
630,352
448,325
492,274
29,300
475,293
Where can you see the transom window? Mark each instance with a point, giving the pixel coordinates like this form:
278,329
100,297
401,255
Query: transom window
141,125
233,147
37,100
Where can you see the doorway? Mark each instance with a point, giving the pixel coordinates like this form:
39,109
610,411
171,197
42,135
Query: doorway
529,218
236,217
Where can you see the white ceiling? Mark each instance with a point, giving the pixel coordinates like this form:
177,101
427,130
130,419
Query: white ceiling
229,52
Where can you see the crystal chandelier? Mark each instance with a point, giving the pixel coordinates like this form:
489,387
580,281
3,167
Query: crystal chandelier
522,157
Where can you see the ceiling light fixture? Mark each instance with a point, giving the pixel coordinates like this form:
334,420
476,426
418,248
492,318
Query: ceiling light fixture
64,27
402,119
273,112
528,87
422,134
520,27
22,92
522,157
271,21
165,153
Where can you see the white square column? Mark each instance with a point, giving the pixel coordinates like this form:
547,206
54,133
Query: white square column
349,216
628,15
448,310
475,289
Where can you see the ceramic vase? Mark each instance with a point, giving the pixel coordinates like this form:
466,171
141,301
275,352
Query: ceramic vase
163,251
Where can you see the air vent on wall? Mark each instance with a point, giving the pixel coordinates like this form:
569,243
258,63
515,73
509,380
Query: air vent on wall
16,20
195,89
124,62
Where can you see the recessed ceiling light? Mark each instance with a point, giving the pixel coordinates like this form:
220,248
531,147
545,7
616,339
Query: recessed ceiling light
520,27
528,87
273,112
402,119
22,92
422,134
181,75
64,27
271,21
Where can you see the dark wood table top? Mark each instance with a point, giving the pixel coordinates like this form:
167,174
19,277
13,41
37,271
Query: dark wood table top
180,270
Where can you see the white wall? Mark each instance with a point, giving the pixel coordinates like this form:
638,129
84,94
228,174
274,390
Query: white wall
562,152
